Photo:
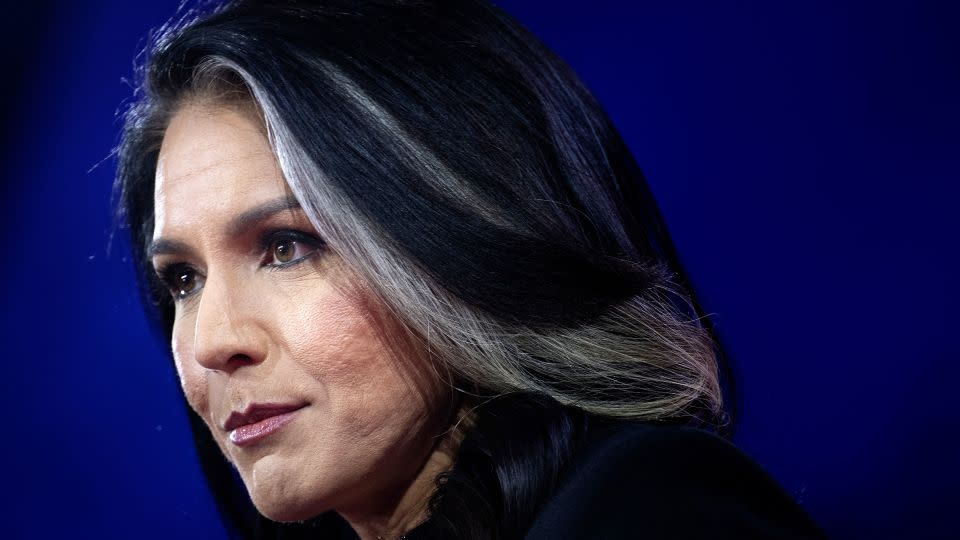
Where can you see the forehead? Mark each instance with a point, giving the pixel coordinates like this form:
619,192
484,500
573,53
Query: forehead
213,162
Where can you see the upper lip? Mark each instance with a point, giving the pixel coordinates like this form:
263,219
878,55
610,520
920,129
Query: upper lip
256,412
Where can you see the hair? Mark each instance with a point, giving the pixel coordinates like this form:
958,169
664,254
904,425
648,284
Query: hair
463,171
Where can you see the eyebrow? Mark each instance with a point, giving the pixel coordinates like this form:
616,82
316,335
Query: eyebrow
238,226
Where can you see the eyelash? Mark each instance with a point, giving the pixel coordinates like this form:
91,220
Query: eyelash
168,273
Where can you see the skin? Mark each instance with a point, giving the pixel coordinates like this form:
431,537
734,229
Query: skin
372,434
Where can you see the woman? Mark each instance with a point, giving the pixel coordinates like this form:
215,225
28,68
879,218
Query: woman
416,287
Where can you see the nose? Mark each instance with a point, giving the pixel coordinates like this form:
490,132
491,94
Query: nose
226,335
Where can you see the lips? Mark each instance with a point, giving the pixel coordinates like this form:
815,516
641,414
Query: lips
258,421
257,412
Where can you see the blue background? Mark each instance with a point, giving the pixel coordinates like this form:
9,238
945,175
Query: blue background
806,158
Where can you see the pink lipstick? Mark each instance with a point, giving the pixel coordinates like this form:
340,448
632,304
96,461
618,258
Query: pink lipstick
259,421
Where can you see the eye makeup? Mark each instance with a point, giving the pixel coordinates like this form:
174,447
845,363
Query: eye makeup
181,280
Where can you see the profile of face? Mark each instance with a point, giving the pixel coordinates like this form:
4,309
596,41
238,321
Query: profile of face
279,347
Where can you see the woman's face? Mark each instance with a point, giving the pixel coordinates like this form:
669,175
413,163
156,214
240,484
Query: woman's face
279,348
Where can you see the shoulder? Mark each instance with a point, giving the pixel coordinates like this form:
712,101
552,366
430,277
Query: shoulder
658,481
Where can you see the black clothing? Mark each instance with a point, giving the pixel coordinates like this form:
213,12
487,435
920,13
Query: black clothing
654,482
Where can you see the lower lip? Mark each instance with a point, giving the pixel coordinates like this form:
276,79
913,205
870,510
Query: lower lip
253,433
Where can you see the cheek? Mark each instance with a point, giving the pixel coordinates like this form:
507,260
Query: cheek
373,387
192,376
338,350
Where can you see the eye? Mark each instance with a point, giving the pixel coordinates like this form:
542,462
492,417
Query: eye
180,279
286,248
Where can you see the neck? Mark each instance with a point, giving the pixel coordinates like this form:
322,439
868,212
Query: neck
408,506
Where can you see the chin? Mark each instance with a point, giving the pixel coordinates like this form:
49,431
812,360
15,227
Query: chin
285,513
282,499
286,507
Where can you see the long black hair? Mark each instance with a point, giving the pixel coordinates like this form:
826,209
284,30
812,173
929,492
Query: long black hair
463,170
